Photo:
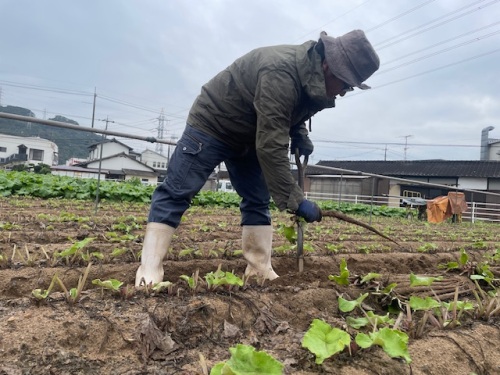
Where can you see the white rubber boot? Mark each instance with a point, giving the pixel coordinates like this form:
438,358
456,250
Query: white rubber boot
257,246
156,242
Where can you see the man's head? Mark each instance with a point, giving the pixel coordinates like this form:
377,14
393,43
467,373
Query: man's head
350,58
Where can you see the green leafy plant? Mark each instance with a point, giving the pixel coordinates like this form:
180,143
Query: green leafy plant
488,304
483,272
495,257
343,277
423,280
9,226
426,247
392,341
118,251
245,360
164,285
370,276
334,248
348,306
192,281
221,278
427,303
73,295
289,232
460,264
43,294
324,341
110,284
439,314
370,319
71,253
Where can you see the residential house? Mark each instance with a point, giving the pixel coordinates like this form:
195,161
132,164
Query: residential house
106,148
123,167
26,150
110,160
156,161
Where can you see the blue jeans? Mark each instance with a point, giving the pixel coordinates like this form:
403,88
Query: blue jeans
194,159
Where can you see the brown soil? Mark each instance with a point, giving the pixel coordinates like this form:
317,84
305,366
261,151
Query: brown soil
188,332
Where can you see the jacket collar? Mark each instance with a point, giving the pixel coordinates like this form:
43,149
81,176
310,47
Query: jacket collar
308,63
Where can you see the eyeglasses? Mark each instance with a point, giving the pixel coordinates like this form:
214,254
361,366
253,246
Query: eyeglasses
347,87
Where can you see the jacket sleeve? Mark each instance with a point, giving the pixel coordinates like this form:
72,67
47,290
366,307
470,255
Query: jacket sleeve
299,131
275,99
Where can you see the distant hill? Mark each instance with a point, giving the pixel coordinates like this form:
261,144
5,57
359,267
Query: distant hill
71,143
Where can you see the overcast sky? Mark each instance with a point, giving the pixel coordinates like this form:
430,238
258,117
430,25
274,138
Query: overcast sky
438,85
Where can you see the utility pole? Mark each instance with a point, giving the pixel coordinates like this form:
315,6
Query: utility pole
171,148
93,107
406,143
161,130
100,164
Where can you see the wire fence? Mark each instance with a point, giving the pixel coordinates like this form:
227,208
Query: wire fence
477,211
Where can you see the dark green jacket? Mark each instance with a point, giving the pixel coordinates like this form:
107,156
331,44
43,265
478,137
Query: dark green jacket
258,101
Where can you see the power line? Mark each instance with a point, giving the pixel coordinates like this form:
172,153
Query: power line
476,39
436,69
394,143
360,92
440,43
433,26
399,16
41,88
333,20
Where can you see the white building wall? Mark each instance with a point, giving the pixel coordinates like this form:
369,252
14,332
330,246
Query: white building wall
108,149
78,174
145,180
494,151
473,183
119,162
39,150
154,160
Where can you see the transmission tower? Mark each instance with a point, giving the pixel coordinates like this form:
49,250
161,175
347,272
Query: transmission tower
161,130
406,143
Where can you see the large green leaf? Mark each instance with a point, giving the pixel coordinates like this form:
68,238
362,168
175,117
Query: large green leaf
245,360
324,341
347,306
427,303
392,341
423,280
111,284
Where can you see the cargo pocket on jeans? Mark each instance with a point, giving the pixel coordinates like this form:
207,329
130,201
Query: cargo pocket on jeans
187,151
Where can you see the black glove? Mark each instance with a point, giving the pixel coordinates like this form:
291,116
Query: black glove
303,143
309,211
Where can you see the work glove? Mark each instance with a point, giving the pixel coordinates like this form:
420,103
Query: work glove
302,143
309,211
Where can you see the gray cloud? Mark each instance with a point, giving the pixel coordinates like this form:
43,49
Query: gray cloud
152,55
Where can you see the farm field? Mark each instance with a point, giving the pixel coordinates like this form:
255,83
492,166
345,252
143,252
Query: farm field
188,329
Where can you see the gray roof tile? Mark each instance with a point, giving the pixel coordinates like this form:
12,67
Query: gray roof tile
416,168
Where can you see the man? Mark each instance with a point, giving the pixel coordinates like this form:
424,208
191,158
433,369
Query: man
245,117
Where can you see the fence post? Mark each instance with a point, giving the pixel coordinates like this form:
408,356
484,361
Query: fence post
340,188
473,212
